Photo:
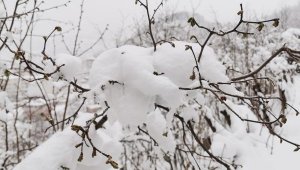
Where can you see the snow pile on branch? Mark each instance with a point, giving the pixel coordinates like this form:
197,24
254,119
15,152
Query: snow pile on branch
134,79
70,70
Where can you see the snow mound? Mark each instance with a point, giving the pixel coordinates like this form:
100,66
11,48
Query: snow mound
59,151
134,79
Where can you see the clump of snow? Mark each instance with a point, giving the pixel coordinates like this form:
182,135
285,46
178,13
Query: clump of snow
134,79
157,128
189,113
127,77
59,151
71,69
72,66
177,64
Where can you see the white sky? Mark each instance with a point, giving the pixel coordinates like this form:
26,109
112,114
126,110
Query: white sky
225,10
116,13
119,12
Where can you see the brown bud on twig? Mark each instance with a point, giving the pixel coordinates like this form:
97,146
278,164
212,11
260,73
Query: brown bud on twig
112,162
76,127
223,98
18,54
58,28
240,12
165,134
192,21
167,158
193,76
94,152
187,47
46,77
260,26
276,23
7,73
283,119
207,143
80,158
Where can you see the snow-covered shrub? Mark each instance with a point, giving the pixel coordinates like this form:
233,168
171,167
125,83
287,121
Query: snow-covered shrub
159,104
